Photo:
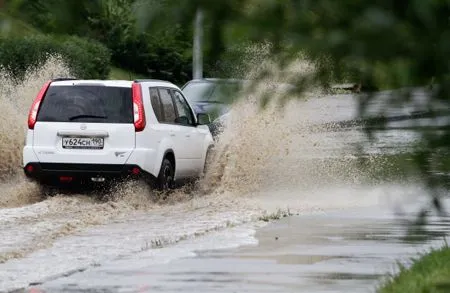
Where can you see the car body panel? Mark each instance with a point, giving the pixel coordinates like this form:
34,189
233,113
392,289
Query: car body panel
119,142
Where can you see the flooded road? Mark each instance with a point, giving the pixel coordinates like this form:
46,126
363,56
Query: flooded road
343,232
329,252
320,250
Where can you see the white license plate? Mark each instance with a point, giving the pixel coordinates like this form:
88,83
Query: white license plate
83,143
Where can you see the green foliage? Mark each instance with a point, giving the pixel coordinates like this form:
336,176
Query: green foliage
87,59
19,54
387,44
162,53
427,274
70,17
112,23
10,26
121,74
219,16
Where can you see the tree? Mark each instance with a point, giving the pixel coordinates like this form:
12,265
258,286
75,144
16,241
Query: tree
162,53
54,16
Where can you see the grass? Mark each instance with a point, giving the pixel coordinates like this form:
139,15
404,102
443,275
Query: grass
430,273
122,74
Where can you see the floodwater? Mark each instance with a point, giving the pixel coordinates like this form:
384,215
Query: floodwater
347,223
327,252
335,250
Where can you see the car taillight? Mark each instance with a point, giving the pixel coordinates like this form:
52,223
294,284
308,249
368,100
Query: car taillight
32,116
138,107
29,168
66,179
135,171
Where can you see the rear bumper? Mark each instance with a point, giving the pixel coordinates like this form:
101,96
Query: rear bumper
59,173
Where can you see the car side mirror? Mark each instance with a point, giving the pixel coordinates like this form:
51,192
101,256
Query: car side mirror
203,119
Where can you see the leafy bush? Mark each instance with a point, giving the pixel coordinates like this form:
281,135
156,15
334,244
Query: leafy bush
162,53
86,59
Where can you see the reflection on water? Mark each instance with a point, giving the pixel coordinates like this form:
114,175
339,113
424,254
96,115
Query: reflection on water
348,252
345,250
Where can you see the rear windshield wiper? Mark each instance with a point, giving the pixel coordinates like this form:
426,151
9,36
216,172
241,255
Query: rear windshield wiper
86,116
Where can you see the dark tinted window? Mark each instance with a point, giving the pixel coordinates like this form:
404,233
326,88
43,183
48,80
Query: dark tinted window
220,91
87,103
198,91
156,103
167,105
182,107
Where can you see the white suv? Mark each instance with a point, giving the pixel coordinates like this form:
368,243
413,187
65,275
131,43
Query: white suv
91,131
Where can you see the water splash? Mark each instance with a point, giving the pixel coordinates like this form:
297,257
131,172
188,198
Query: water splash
289,145
16,100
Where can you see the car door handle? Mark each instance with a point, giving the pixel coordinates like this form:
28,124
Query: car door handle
172,134
188,135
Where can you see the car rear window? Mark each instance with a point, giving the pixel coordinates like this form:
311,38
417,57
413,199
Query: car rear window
87,103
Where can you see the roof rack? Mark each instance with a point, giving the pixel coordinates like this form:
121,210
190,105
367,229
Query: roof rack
147,80
64,78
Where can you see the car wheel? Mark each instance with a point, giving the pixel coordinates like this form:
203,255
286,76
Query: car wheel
165,180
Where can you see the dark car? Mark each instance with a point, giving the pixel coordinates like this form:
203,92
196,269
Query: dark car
212,95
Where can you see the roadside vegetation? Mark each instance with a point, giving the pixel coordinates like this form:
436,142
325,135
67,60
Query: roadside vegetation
84,57
430,273
97,39
118,73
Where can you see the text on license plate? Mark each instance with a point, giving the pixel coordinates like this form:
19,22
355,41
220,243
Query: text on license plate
82,142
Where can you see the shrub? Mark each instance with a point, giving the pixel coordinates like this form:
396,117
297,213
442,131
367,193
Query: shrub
86,59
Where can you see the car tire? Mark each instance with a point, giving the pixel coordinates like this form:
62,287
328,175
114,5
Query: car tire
165,180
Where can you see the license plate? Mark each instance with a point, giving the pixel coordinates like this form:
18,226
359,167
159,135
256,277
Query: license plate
95,143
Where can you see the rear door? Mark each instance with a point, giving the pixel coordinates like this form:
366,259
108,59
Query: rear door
185,163
194,138
85,123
